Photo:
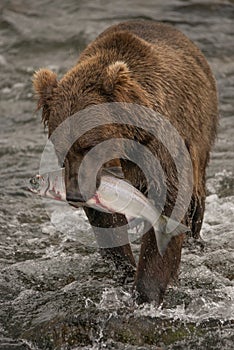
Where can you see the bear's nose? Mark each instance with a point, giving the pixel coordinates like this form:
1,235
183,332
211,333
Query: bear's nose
74,197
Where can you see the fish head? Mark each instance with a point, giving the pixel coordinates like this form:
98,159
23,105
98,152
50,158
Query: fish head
36,184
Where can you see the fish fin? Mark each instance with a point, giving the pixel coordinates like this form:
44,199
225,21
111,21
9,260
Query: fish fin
166,229
174,228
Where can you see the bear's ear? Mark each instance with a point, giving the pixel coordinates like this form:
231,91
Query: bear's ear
116,74
44,81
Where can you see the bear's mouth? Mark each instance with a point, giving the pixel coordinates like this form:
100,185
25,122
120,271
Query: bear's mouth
76,201
76,204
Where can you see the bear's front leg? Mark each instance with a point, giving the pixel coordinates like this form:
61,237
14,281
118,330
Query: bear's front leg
113,244
155,272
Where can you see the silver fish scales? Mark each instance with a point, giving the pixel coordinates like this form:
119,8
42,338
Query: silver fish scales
113,195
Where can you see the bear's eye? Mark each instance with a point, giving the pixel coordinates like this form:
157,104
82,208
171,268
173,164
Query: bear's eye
61,164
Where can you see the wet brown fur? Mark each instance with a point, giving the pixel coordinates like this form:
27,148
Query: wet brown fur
154,65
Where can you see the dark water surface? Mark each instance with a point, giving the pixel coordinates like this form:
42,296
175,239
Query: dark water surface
56,293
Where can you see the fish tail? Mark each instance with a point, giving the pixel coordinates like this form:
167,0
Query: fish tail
165,229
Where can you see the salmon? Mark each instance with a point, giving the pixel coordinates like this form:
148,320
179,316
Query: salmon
113,195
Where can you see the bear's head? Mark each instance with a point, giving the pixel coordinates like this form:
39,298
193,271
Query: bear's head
93,81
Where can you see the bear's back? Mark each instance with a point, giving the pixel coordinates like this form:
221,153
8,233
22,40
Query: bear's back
170,69
161,34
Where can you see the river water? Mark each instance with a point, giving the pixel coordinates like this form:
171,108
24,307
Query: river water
57,293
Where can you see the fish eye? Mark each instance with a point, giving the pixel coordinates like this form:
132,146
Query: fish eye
32,181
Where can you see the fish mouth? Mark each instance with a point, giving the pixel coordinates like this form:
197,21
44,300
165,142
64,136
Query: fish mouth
28,189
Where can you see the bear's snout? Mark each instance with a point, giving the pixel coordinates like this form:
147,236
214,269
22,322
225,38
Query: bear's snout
74,197
84,189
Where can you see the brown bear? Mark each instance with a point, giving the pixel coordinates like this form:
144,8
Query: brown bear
154,65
